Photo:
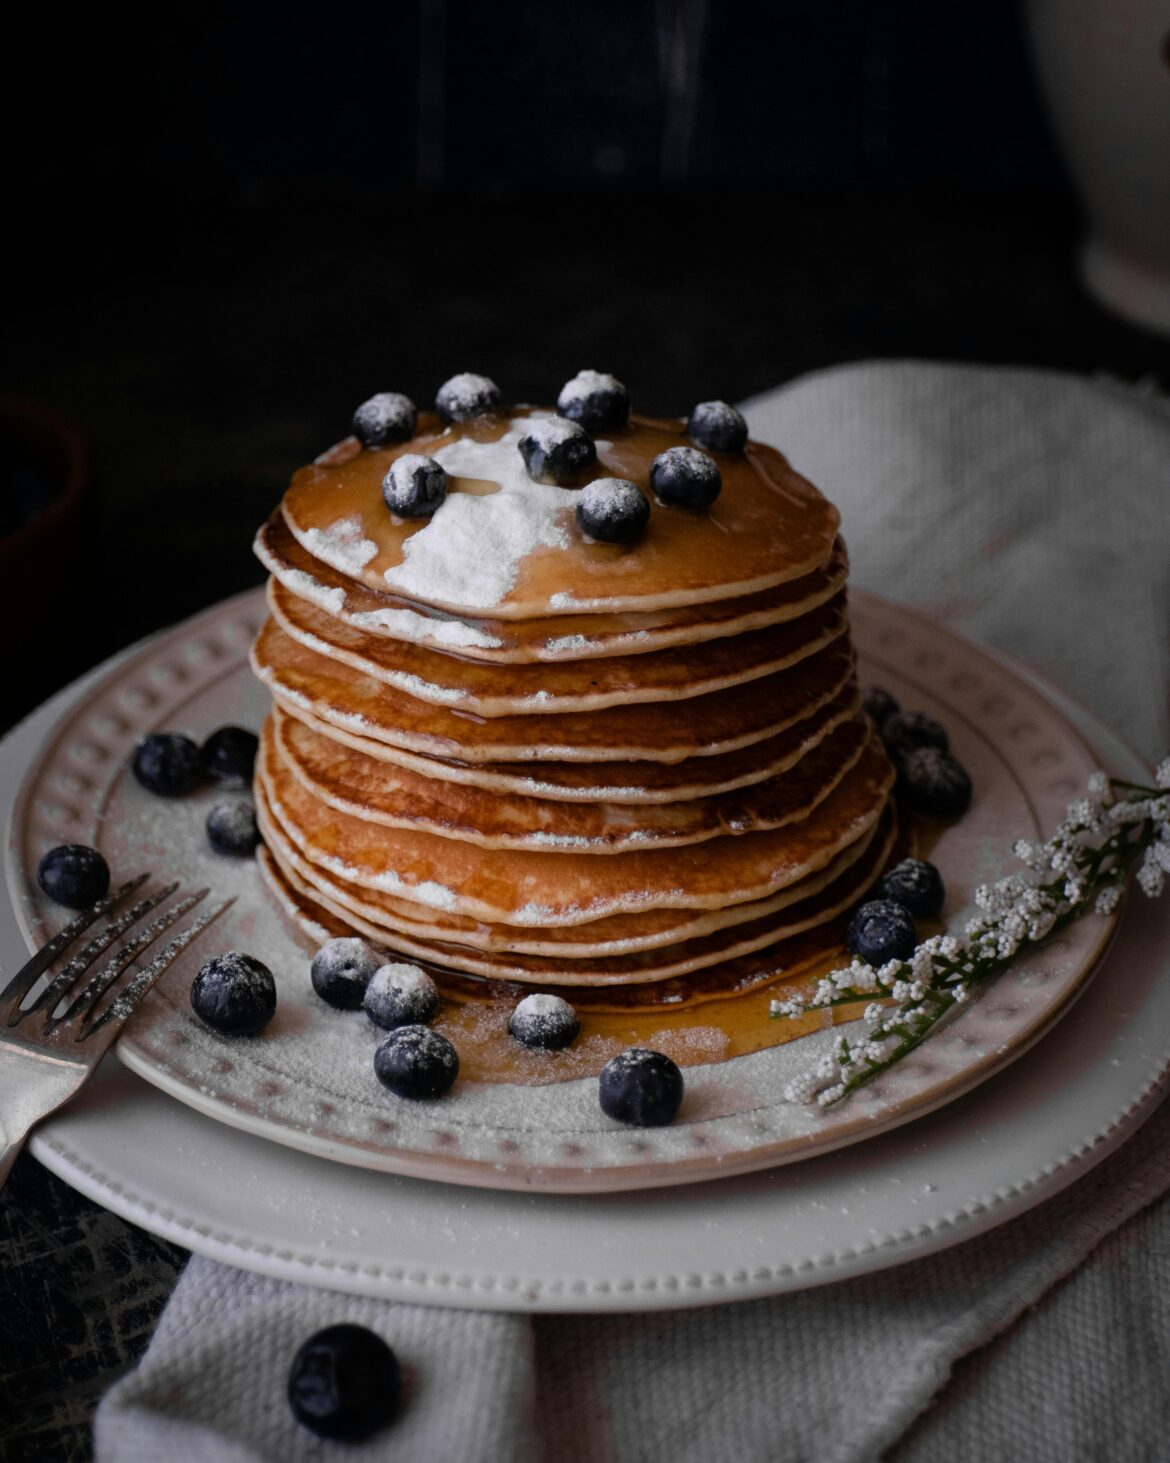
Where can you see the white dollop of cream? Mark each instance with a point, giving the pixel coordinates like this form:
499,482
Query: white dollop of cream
470,550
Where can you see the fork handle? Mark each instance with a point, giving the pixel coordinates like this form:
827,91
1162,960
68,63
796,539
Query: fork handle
31,1087
10,1155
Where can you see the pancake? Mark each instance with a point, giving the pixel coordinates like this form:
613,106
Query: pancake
722,721
566,638
740,963
619,934
520,755
519,690
509,547
526,888
398,797
617,782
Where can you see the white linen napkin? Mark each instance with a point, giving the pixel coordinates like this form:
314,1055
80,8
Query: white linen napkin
1028,510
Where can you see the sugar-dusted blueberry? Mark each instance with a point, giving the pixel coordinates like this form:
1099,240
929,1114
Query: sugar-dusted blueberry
467,395
414,1061
902,730
387,417
231,827
881,930
229,756
342,970
234,994
933,782
168,763
415,486
878,704
718,426
597,400
544,1021
556,451
684,477
640,1087
613,510
345,1383
916,885
401,995
74,874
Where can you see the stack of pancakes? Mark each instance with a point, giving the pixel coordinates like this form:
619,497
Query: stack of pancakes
504,750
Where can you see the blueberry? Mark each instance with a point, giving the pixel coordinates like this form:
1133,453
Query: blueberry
414,1061
597,400
932,782
902,730
74,875
546,1022
168,763
467,395
556,450
878,704
344,1383
401,995
915,885
414,487
717,425
882,930
684,477
229,756
341,972
387,417
231,828
613,511
235,994
640,1087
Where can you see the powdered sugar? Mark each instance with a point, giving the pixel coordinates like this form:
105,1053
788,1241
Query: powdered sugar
400,994
611,500
585,384
388,416
717,424
415,486
550,432
466,395
470,551
410,625
342,544
306,587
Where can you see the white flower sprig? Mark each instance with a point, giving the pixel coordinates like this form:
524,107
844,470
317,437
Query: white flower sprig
1082,866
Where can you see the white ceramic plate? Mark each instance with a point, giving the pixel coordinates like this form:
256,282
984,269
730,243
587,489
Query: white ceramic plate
1019,1138
308,1080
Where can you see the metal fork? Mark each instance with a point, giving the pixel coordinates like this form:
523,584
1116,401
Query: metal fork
44,1066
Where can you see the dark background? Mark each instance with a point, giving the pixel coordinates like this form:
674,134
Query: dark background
231,225
228,225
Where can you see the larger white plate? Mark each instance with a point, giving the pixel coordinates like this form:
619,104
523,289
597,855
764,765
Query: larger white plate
1021,1137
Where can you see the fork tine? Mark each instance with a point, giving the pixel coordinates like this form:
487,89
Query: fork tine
28,975
103,979
85,957
127,1000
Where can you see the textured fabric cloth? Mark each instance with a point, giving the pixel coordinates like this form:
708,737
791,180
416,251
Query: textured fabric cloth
1027,510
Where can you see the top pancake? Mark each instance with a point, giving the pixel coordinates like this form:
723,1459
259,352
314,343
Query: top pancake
561,638
504,546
